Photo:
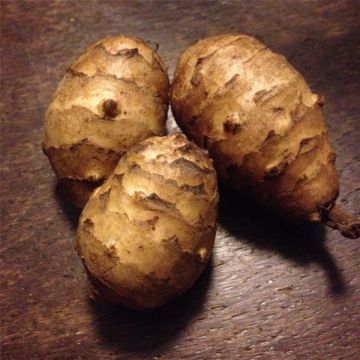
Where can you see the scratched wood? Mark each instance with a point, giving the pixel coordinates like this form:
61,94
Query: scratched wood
272,290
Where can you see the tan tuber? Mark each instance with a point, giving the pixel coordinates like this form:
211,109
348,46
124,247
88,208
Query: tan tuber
147,233
114,95
263,127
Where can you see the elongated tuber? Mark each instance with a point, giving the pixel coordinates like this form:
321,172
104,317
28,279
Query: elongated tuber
146,234
112,97
263,127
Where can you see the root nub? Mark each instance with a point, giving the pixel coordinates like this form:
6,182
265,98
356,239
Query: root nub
337,218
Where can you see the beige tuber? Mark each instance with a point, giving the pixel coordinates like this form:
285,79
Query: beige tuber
112,97
147,233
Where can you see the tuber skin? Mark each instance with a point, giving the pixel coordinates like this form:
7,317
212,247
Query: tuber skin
147,232
263,127
114,95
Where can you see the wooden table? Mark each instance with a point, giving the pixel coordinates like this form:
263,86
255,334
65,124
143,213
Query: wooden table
272,291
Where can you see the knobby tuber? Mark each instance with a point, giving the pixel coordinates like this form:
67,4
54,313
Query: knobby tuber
263,127
113,96
147,232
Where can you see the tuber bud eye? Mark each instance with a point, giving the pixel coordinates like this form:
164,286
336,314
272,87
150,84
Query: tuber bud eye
232,123
110,108
230,127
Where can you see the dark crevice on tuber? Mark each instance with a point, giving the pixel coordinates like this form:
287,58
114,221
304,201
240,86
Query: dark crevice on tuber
332,158
129,53
277,170
195,80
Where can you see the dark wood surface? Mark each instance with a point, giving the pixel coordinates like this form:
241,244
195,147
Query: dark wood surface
272,290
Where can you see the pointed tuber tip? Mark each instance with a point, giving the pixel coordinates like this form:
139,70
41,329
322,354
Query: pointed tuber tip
337,218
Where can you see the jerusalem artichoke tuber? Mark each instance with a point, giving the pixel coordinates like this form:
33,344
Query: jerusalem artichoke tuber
263,127
147,233
113,96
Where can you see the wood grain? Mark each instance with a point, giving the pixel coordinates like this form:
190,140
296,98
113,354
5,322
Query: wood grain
272,291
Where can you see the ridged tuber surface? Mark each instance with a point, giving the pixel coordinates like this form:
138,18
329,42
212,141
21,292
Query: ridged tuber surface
114,95
262,125
147,233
